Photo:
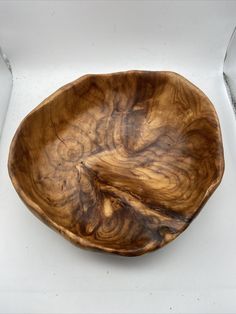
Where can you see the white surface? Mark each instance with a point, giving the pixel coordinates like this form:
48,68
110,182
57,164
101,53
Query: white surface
5,88
52,43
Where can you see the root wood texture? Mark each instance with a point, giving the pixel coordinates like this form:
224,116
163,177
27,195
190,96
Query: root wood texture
119,162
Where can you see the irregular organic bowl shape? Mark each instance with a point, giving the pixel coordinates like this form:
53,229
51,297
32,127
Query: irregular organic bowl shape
119,162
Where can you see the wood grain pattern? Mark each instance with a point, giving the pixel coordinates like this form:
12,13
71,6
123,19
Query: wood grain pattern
119,162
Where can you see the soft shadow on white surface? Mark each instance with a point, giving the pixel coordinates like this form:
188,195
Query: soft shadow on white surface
53,43
5,87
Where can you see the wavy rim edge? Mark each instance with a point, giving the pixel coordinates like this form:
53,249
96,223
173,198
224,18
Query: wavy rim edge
75,239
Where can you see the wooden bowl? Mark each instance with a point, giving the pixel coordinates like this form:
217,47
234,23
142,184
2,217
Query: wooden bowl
119,162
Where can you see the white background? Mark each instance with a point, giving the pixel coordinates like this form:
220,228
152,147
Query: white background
52,43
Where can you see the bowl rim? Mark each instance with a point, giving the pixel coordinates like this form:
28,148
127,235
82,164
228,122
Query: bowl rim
72,237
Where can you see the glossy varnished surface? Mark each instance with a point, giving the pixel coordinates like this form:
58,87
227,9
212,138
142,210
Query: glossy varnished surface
120,162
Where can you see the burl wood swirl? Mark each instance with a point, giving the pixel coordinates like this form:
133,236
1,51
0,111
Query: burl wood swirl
120,162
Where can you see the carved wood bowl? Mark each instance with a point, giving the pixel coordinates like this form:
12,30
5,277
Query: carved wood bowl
119,162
